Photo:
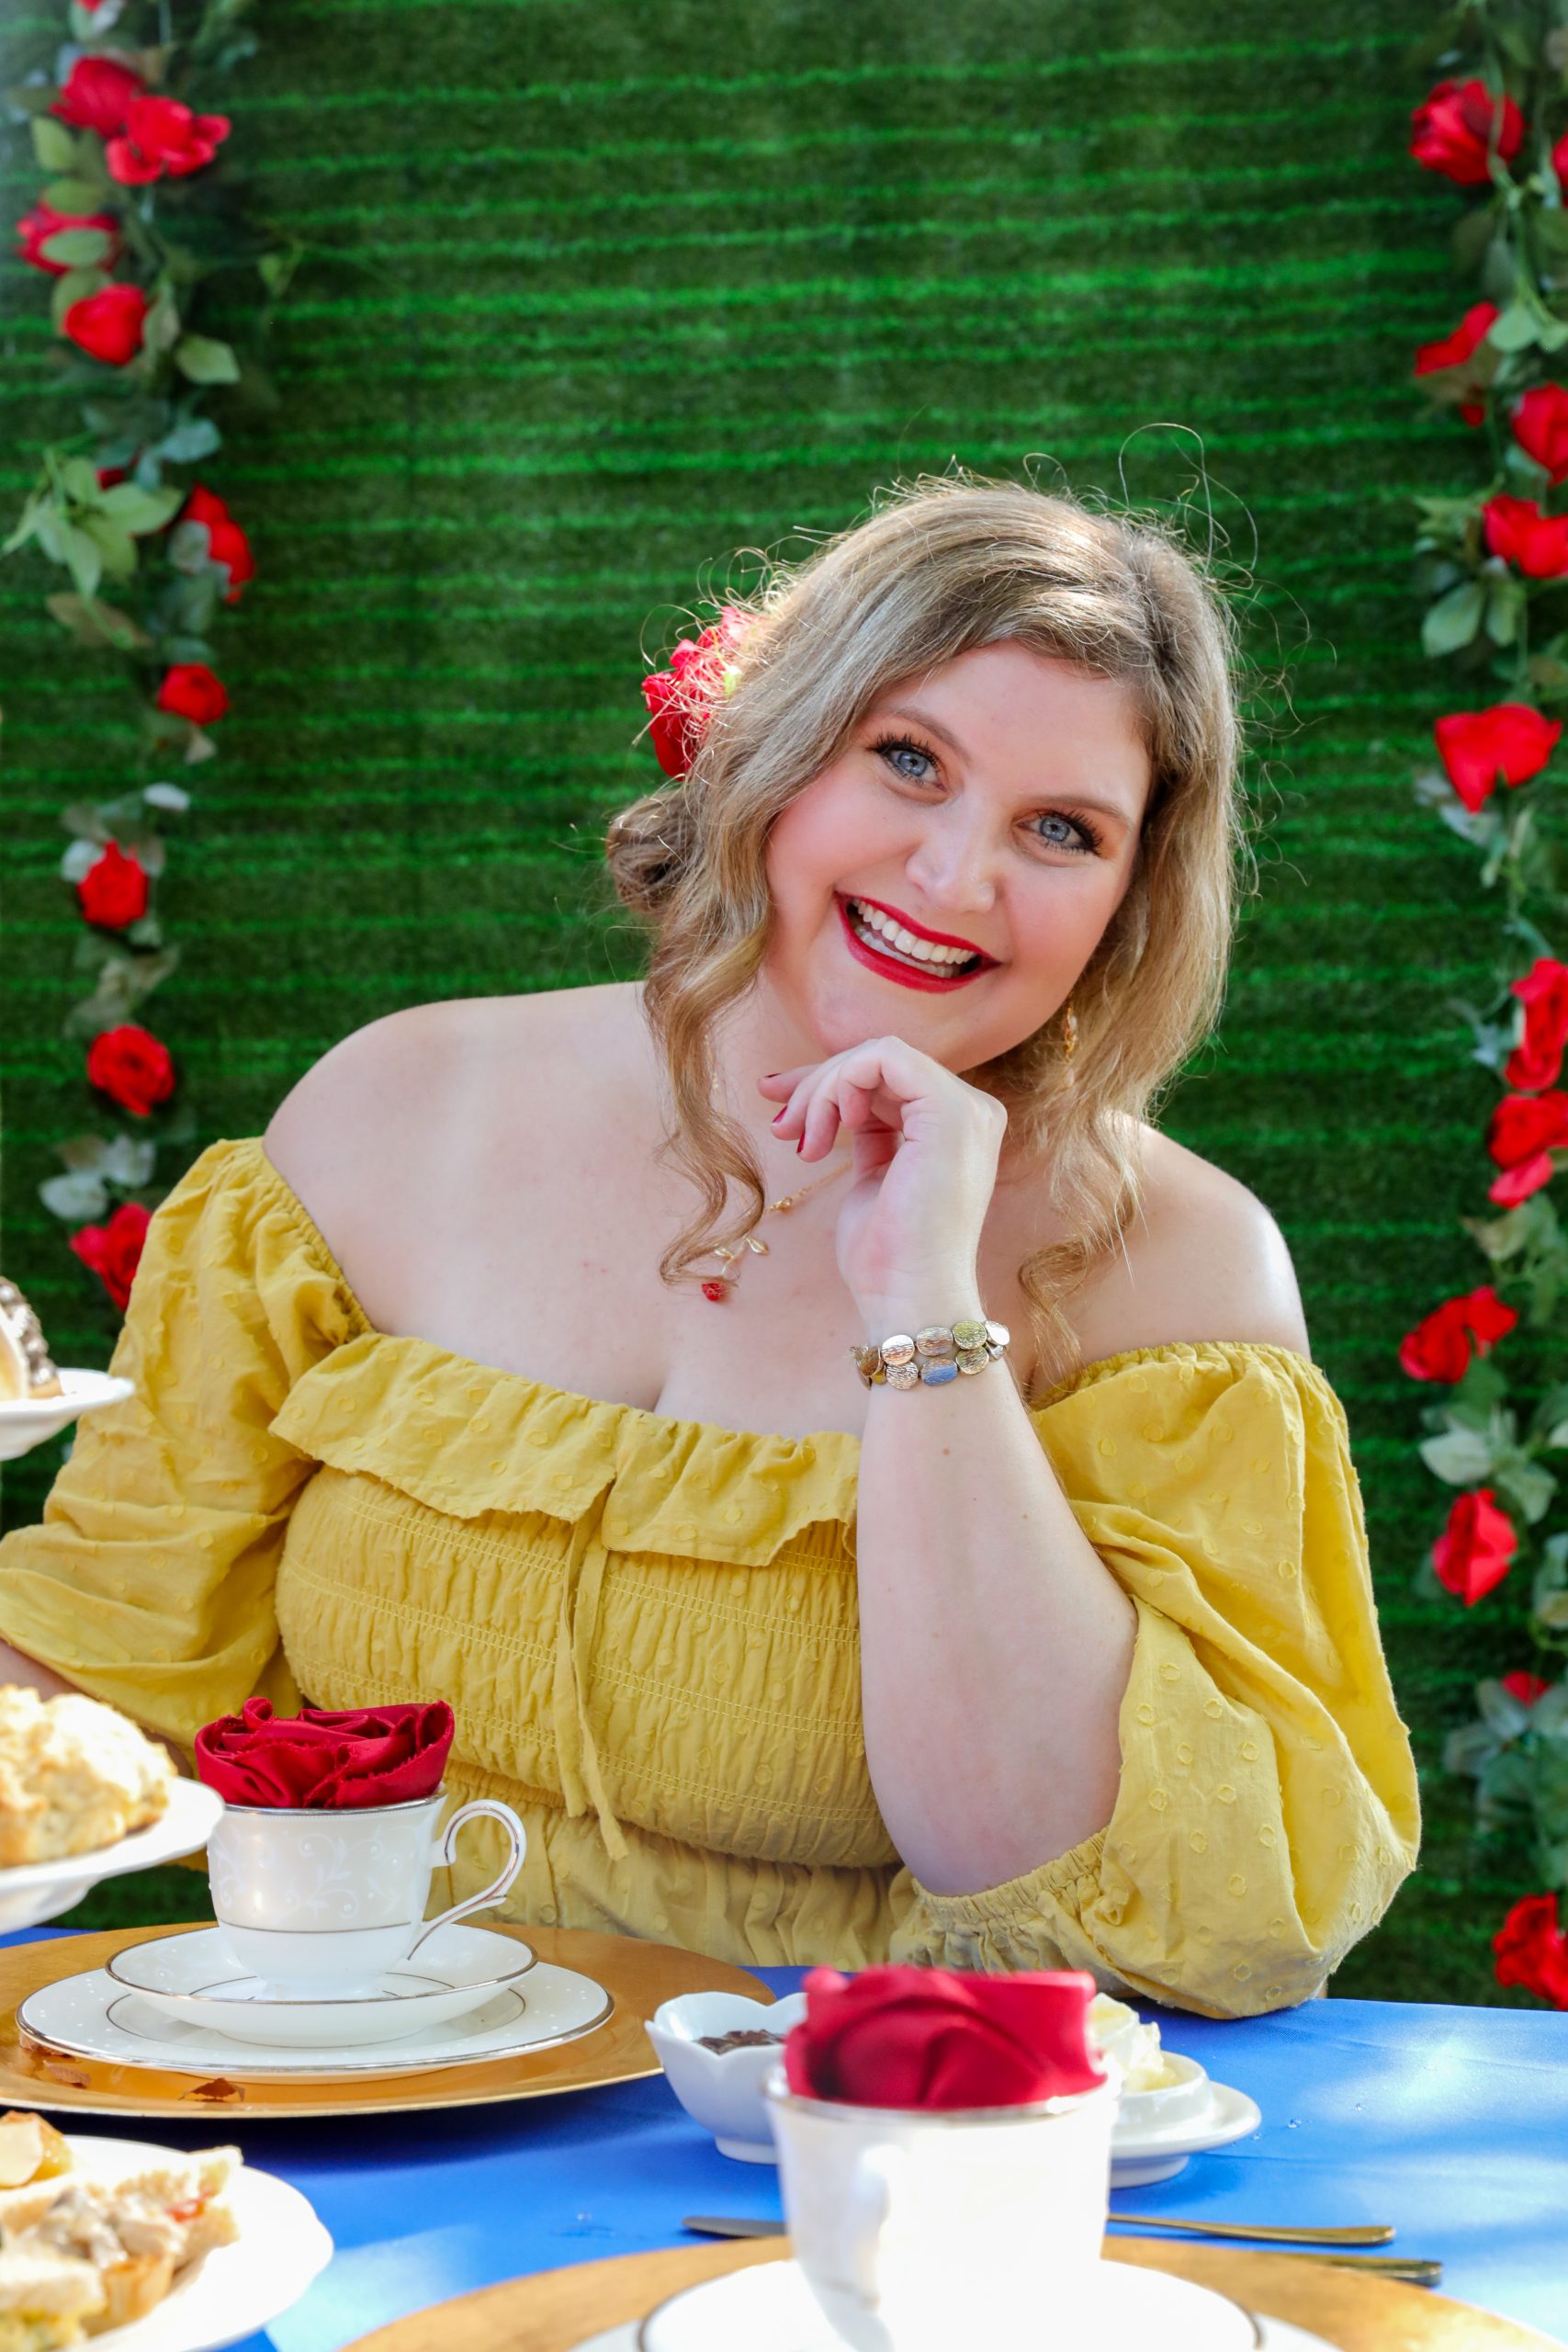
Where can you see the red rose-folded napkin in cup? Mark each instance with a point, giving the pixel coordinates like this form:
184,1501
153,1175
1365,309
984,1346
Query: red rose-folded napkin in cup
357,1756
939,2038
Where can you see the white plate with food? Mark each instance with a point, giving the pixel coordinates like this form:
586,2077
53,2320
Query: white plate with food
92,2017
27,1421
145,2248
84,1795
193,1978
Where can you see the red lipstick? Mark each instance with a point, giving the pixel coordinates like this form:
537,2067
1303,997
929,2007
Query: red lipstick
887,969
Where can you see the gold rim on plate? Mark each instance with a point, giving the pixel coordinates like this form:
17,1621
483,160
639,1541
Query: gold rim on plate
637,1977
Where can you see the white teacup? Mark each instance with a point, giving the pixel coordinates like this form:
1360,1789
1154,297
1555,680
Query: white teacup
319,1903
920,2230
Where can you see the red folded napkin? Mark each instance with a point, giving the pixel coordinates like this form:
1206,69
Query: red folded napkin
939,2038
361,1756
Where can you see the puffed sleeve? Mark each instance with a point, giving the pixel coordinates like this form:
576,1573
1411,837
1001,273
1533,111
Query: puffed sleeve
1267,1809
150,1581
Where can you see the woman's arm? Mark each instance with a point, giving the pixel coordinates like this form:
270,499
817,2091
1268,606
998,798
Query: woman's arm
15,1668
995,1644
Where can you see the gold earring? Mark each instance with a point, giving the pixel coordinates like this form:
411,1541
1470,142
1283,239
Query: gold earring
1069,1032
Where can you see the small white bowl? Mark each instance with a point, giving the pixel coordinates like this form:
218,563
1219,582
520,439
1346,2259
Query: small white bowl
1179,2102
28,1422
723,2092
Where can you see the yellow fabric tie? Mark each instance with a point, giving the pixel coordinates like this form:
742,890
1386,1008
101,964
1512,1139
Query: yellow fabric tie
582,1777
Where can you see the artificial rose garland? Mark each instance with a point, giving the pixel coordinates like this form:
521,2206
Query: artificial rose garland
1510,740
1540,428
163,136
35,227
190,691
1521,1135
1527,1688
1532,1950
114,890
1536,1061
226,542
1476,1548
1517,531
113,1252
108,325
680,700
1451,355
1457,125
1444,1345
99,95
131,1068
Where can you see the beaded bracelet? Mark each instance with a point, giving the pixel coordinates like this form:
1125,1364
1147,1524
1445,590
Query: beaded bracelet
938,1352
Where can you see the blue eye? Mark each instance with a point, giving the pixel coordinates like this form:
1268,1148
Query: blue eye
895,749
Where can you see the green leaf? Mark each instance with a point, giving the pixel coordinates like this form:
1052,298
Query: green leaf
75,287
78,248
52,145
115,548
160,327
73,196
1453,619
1528,1484
1504,603
1461,1457
192,437
84,1151
1470,1750
1505,1716
1516,327
80,482
82,555
206,361
78,1197
141,511
96,625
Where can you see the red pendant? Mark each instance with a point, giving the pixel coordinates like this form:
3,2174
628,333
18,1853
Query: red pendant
718,1291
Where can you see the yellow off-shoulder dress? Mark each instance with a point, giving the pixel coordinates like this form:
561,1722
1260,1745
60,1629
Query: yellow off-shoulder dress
647,1627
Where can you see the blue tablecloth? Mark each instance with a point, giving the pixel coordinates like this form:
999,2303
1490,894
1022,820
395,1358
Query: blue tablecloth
1452,2123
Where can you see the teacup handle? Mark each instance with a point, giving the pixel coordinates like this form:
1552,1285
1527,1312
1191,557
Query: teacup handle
517,1842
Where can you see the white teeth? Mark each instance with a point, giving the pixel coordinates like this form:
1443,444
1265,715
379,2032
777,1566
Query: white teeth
889,934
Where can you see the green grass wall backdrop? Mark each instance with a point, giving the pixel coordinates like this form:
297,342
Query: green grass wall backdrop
601,293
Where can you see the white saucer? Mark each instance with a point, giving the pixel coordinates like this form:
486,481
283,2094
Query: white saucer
770,2308
193,1979
236,2289
33,1891
1159,2151
90,2017
27,1421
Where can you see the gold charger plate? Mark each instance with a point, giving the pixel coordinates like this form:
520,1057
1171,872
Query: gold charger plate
637,1977
555,2309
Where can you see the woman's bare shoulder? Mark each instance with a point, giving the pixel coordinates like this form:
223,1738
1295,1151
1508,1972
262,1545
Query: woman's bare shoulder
1204,1259
402,1102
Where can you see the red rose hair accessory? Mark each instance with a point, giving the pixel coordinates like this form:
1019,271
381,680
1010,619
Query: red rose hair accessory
681,699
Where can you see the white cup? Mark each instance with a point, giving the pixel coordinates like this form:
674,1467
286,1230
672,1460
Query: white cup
920,2230
318,1903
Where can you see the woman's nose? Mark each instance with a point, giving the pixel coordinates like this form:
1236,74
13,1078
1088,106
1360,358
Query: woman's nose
956,870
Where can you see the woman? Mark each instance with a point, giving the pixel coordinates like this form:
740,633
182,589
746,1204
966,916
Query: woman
934,1673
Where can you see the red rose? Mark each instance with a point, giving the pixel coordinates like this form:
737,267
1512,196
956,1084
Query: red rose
1440,1347
931,2038
97,96
1540,428
1525,1688
1454,350
113,890
107,324
1521,534
227,544
130,1066
35,228
191,691
1523,1132
679,699
161,135
1510,739
1455,124
113,1252
1537,1060
1532,1951
1476,1549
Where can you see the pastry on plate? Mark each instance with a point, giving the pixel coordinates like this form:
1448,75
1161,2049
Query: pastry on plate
27,1375
75,1776
79,2254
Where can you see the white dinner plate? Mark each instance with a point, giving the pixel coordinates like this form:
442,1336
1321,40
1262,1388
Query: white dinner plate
235,2289
33,1891
1273,2335
770,2308
193,1979
1158,2153
91,2017
27,1421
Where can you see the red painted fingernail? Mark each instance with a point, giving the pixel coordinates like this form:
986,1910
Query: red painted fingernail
779,1115
801,1145
770,1073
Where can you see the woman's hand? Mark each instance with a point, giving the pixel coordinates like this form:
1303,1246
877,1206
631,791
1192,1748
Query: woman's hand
926,1149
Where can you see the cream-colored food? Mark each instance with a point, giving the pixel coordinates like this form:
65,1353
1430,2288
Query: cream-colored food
79,2255
74,1775
26,1373
1121,2037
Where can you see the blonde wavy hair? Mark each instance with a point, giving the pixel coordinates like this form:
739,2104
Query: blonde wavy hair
940,567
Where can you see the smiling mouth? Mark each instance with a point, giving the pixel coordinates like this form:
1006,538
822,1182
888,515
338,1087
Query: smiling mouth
889,945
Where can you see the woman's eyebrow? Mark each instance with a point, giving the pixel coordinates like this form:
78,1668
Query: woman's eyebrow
1069,792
